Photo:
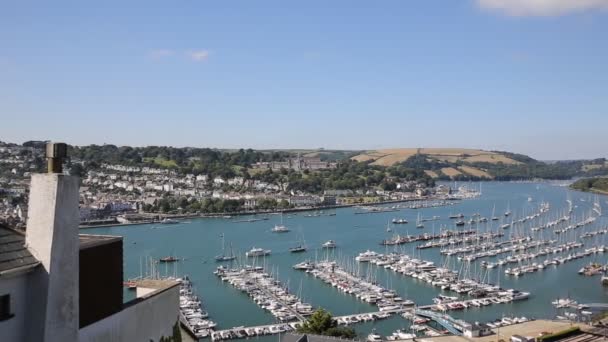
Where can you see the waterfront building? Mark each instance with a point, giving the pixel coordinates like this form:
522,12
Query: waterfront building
328,200
476,330
57,285
304,201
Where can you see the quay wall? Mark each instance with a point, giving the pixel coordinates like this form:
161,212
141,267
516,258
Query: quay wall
258,212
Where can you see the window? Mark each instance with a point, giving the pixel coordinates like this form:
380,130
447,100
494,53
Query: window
5,307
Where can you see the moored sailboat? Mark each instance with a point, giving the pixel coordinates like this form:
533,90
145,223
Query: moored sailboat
280,228
223,256
419,223
301,247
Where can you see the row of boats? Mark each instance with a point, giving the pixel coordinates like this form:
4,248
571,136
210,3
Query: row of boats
368,291
368,317
243,332
444,234
534,267
444,278
474,238
269,293
191,313
492,249
260,252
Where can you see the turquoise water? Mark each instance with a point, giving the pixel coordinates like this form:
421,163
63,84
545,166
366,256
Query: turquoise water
198,241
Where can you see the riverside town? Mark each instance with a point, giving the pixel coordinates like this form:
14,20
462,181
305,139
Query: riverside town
304,171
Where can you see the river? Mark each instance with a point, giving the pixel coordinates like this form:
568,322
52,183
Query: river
198,241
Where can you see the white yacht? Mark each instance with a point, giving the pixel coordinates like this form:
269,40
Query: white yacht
564,303
329,244
366,256
399,221
401,335
280,228
374,337
256,252
306,265
518,295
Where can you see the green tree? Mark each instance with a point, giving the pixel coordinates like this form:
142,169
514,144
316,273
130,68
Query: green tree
321,322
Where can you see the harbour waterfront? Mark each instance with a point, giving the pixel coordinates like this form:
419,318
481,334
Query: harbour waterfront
198,241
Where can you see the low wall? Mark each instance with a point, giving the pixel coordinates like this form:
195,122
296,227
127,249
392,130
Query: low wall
143,319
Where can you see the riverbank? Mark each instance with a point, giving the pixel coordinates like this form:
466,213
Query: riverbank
598,185
160,217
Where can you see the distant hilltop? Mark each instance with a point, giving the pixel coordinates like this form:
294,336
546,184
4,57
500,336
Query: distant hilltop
461,163
437,163
388,157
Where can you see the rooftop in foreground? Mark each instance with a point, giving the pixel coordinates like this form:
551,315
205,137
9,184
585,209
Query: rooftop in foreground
13,253
91,240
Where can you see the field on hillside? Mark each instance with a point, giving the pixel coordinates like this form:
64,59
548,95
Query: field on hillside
388,157
431,173
450,172
161,162
475,172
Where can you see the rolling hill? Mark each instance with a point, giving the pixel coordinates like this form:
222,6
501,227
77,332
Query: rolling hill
444,162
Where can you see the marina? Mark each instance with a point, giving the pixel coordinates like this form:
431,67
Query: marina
475,256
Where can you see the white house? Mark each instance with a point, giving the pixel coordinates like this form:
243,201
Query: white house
236,181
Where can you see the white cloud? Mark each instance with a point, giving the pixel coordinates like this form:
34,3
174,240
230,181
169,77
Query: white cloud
542,7
161,53
199,55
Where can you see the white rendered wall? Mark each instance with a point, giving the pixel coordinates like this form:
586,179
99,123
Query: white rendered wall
13,329
149,320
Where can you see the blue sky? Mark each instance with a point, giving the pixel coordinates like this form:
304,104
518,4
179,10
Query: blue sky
528,76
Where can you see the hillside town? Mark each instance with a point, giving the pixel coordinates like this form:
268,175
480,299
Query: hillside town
126,193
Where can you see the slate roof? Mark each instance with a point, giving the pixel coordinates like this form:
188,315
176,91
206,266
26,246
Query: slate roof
13,253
